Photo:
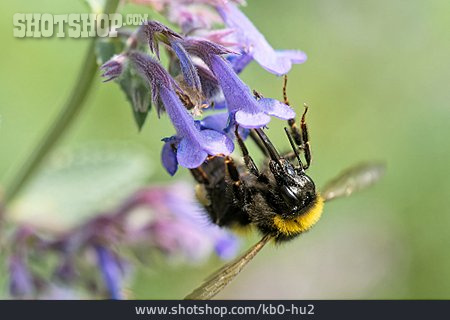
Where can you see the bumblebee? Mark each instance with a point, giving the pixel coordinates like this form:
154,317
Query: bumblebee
280,199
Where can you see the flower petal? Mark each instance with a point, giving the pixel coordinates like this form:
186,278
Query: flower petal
251,120
275,108
21,280
111,271
249,38
169,158
190,154
216,143
209,84
237,94
226,246
296,56
269,60
217,122
239,62
187,66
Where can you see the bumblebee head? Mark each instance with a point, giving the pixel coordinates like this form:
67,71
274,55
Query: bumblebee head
293,194
294,187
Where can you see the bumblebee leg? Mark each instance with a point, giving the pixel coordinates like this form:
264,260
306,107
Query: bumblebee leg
232,171
271,150
236,182
200,175
296,133
247,158
305,137
285,97
258,142
301,136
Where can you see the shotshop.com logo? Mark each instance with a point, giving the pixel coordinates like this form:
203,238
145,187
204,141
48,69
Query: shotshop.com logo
73,25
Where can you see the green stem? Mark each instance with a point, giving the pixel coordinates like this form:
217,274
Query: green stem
66,116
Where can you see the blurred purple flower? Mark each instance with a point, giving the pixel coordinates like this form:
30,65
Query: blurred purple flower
20,279
176,238
179,225
167,219
242,105
193,145
111,271
193,16
254,45
219,37
160,5
192,233
226,246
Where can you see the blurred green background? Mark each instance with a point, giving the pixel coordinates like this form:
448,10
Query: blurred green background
377,82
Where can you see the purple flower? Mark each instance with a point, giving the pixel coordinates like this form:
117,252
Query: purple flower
191,17
181,227
176,238
193,145
21,280
154,32
160,5
181,203
254,44
111,271
226,246
220,37
220,122
169,155
113,68
239,62
242,105
210,85
162,218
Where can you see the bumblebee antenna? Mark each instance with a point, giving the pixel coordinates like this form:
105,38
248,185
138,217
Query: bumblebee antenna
274,155
291,141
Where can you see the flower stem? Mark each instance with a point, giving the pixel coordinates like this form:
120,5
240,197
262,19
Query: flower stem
67,115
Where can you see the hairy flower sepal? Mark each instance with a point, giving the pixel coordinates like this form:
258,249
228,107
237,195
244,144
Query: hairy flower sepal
113,68
192,144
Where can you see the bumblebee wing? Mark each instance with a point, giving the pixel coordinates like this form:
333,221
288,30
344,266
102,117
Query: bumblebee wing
353,179
222,277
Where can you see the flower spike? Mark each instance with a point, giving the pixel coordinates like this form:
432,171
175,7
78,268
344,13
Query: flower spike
192,144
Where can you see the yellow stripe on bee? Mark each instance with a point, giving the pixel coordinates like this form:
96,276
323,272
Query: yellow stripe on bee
301,223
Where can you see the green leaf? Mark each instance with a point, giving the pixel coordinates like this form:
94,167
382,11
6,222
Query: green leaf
136,92
138,95
79,184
